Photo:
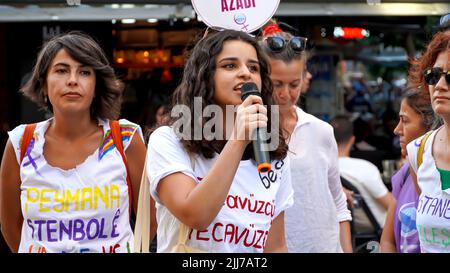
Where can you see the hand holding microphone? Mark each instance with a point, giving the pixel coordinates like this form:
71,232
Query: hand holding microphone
254,114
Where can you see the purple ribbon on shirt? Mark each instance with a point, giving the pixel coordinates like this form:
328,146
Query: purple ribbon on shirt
31,160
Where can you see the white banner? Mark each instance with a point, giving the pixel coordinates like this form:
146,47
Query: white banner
243,15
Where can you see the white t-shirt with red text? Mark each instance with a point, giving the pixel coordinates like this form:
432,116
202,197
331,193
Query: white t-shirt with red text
83,209
253,201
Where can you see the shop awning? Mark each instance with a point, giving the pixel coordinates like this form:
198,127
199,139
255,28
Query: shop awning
103,10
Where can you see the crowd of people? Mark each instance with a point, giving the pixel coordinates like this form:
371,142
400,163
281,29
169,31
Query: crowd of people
71,183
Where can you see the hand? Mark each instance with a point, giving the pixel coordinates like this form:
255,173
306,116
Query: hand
251,114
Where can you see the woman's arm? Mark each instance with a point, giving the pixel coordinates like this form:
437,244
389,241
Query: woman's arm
345,236
387,243
196,205
135,153
276,241
10,206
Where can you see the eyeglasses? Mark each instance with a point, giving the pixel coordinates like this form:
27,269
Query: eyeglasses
278,44
433,75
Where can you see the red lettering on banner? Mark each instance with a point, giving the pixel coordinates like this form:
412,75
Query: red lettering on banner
239,4
247,244
231,198
214,232
200,238
261,207
255,206
224,5
229,231
190,234
261,235
112,249
242,203
230,5
40,249
238,238
265,238
231,234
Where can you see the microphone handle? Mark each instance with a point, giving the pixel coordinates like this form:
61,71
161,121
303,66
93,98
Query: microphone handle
261,156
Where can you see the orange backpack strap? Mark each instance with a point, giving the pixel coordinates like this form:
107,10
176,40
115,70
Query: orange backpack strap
26,139
421,148
117,139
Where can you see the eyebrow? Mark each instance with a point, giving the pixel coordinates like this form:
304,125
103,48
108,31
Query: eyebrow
235,59
66,65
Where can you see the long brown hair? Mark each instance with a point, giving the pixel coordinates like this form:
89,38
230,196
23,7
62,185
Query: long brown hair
198,81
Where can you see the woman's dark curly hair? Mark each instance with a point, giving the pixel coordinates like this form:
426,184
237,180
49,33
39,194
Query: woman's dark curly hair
198,81
83,49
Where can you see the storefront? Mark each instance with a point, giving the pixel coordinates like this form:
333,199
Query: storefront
146,40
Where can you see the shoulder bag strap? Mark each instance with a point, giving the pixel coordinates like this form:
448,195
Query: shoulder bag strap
26,139
142,227
117,139
421,149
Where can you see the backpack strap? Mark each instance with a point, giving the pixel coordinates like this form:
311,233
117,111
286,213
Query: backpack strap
26,140
117,139
421,148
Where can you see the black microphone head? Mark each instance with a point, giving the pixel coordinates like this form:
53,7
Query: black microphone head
249,88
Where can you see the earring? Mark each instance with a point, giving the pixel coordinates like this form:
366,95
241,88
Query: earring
45,99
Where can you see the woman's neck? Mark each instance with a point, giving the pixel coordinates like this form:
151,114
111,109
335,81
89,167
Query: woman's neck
446,132
288,120
73,126
288,114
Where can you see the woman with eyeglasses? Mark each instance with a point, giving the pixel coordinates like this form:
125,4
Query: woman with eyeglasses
319,218
416,118
207,182
431,163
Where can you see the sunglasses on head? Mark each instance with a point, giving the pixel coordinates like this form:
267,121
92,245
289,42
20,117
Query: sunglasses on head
278,44
433,75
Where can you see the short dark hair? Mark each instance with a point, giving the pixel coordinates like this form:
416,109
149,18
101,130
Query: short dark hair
82,48
342,128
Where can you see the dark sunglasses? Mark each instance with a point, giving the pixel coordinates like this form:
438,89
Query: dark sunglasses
433,75
278,44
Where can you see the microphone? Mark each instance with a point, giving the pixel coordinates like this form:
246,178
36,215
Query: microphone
261,155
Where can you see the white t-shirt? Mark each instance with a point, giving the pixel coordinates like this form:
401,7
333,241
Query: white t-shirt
84,209
367,179
253,201
312,223
433,209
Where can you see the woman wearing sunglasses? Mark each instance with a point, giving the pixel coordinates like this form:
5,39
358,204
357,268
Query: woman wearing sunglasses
431,165
318,220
